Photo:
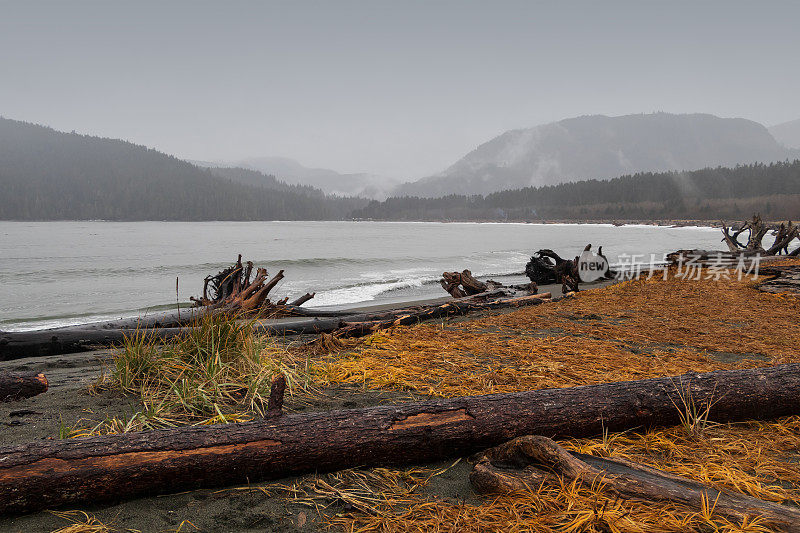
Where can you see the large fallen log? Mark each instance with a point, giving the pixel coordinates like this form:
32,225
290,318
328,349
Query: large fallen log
528,462
113,467
16,386
16,345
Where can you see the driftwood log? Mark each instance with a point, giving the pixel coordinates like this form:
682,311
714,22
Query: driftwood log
781,279
359,329
527,462
463,284
757,229
16,386
95,469
16,345
546,266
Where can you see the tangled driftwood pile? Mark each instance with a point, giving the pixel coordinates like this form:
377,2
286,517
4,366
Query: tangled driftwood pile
463,284
546,266
757,230
233,291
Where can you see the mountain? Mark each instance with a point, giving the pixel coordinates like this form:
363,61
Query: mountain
788,133
329,181
50,175
602,147
267,181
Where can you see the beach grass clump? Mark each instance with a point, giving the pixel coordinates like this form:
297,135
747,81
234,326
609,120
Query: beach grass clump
217,371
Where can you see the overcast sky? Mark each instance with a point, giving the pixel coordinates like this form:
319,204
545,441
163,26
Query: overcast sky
399,88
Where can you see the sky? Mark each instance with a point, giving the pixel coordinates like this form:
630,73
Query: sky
402,89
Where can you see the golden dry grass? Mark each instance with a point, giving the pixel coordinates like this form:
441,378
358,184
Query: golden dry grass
81,522
633,330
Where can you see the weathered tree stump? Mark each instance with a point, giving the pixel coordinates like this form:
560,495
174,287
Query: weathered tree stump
232,291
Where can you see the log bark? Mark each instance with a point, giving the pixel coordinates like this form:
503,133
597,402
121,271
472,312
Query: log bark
526,462
276,392
16,386
113,467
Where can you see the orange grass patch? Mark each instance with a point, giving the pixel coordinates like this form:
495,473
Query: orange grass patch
633,330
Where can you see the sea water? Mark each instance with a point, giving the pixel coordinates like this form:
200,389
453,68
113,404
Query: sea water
60,273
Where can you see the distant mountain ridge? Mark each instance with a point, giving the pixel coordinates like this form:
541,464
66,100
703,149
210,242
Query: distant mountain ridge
788,133
50,175
602,147
329,181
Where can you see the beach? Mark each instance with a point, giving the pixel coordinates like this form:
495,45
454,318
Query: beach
605,334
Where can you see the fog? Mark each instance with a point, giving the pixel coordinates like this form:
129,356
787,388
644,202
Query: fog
395,88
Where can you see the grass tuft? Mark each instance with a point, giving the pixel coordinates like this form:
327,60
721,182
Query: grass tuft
218,371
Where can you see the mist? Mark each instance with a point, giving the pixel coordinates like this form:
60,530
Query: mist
397,89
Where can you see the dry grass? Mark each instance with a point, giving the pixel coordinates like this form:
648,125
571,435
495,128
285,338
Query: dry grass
704,315
81,522
633,330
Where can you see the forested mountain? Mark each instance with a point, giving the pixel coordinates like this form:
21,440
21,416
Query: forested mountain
267,181
712,193
788,133
601,147
50,175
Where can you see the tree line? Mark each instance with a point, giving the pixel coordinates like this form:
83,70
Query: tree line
771,189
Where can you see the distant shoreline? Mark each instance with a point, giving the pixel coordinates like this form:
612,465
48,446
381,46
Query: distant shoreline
613,222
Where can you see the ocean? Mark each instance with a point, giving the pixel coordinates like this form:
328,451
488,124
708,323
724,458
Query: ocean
61,273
